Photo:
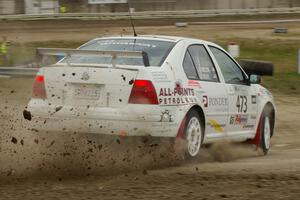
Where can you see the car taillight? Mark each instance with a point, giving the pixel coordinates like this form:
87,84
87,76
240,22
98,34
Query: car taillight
39,90
143,92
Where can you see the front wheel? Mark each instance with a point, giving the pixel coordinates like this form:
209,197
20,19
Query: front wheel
193,134
266,131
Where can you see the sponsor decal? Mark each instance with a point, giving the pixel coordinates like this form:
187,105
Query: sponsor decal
178,95
253,99
238,119
160,77
214,101
176,91
194,83
178,85
219,128
166,116
113,42
265,92
177,100
252,116
248,126
218,101
85,76
241,89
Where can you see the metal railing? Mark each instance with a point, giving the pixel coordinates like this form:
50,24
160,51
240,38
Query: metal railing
152,14
26,71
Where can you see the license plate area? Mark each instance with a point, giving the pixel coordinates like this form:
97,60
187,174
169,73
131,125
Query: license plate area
87,91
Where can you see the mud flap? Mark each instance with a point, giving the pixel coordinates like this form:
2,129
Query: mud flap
180,133
179,143
257,139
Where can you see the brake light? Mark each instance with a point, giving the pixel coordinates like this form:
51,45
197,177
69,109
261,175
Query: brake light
39,90
143,92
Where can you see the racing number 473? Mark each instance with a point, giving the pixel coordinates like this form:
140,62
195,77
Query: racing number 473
241,104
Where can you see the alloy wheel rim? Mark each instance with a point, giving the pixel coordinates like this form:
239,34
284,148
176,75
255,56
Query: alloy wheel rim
194,136
267,132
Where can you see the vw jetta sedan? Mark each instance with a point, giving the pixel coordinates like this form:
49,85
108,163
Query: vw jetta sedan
158,86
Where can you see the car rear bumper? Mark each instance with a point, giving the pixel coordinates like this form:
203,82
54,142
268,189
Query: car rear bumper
131,120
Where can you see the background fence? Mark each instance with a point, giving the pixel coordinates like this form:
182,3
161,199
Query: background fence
173,5
72,6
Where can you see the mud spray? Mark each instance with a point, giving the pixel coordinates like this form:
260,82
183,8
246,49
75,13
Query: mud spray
27,152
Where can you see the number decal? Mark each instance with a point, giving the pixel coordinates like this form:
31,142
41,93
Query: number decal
238,105
245,109
241,104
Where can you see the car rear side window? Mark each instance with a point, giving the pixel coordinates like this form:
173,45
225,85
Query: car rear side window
203,63
189,67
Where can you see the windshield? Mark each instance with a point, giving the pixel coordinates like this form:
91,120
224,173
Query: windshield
157,51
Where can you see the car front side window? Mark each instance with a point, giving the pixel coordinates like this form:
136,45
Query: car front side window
230,70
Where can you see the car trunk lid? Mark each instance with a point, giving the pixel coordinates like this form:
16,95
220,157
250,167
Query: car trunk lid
89,86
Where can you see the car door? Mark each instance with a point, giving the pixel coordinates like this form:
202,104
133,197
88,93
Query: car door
242,97
199,67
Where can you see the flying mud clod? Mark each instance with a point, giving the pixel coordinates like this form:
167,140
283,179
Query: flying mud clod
27,115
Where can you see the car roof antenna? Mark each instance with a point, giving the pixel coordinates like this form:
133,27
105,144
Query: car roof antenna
131,21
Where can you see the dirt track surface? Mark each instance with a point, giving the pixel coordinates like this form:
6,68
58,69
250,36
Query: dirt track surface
39,165
35,165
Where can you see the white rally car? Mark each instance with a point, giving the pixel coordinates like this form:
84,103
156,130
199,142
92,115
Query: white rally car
156,86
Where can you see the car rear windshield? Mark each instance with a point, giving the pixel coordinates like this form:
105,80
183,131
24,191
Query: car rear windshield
157,51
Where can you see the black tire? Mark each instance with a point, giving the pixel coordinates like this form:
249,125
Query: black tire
267,128
257,67
193,118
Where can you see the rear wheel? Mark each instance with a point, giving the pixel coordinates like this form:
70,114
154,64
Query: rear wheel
193,134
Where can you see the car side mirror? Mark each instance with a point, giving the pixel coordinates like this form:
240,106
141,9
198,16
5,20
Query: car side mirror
254,79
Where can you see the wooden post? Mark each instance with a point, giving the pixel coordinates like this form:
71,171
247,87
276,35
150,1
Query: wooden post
299,61
40,6
243,4
272,4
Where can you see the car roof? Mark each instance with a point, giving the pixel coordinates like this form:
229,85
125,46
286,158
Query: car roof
156,37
